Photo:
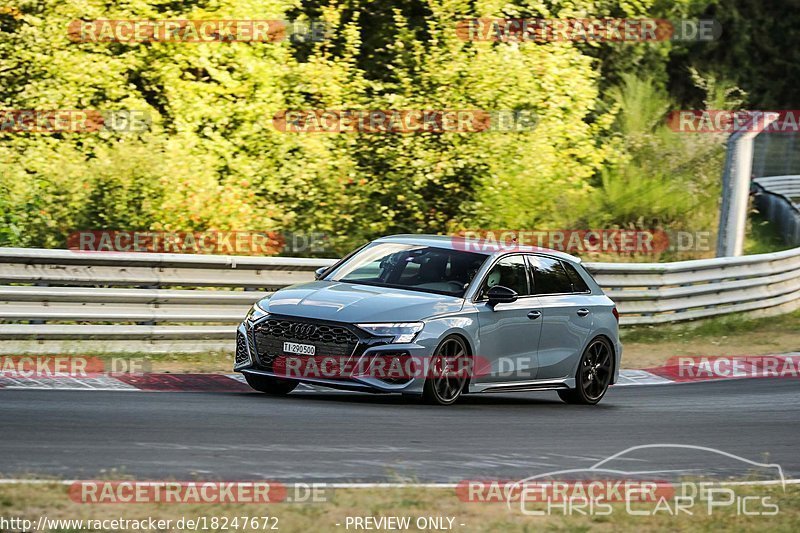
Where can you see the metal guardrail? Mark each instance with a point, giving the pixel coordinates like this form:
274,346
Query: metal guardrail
57,301
786,186
654,293
778,198
60,300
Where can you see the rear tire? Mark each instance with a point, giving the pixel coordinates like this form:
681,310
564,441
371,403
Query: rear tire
270,385
593,376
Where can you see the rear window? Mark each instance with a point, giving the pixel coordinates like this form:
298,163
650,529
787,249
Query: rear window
578,285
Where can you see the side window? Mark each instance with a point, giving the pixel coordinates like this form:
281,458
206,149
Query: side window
509,272
578,285
549,276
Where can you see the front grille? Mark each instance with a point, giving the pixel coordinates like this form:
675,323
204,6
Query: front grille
329,340
241,349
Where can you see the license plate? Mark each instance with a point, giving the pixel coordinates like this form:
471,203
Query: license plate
299,349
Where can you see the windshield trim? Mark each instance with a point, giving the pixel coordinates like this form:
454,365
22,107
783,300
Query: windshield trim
402,287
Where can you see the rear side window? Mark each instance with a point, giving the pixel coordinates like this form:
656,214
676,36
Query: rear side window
549,276
578,285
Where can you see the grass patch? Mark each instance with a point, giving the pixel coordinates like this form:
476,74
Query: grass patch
167,363
32,501
712,328
649,346
763,236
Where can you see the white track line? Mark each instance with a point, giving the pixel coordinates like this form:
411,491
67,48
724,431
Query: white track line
352,485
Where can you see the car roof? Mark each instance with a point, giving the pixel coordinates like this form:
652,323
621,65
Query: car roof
488,247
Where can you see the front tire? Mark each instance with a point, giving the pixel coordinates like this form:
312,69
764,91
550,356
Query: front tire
445,387
270,385
593,376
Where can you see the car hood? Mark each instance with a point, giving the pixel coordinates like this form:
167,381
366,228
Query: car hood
353,303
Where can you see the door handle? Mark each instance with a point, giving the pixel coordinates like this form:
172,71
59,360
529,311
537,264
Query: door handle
583,312
533,315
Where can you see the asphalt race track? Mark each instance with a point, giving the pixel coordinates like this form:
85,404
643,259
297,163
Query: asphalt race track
345,437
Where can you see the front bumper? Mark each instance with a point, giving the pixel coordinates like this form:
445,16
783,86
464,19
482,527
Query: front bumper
249,361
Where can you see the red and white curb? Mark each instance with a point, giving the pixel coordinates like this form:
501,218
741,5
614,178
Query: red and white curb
130,382
714,368
629,377
679,370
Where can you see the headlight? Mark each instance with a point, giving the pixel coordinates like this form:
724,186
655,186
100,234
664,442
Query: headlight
401,331
255,313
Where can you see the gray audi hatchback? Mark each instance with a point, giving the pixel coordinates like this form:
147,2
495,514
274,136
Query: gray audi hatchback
437,317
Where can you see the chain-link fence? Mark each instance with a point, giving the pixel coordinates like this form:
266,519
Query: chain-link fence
776,154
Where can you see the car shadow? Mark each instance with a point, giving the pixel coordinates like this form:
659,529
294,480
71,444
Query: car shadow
469,401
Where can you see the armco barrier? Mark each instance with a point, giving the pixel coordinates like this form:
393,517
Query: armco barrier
778,199
55,301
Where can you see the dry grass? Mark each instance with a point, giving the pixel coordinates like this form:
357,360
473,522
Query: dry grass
647,346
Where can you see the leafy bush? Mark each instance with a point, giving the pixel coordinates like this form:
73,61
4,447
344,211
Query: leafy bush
212,159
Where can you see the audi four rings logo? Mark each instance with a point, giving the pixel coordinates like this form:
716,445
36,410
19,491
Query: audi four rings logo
301,330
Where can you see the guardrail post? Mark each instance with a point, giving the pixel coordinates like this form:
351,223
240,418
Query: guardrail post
40,321
736,185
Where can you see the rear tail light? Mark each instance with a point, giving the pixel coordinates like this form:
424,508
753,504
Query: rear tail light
616,313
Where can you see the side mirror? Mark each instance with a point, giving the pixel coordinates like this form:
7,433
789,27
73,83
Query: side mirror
499,294
319,272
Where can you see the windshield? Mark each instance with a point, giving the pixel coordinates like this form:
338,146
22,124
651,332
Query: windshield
409,266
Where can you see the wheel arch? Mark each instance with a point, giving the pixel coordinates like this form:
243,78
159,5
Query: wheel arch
613,346
470,350
614,355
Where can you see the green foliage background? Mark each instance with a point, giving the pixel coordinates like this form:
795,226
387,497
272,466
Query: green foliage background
211,159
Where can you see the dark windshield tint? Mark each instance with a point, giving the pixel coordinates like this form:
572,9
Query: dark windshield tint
408,266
